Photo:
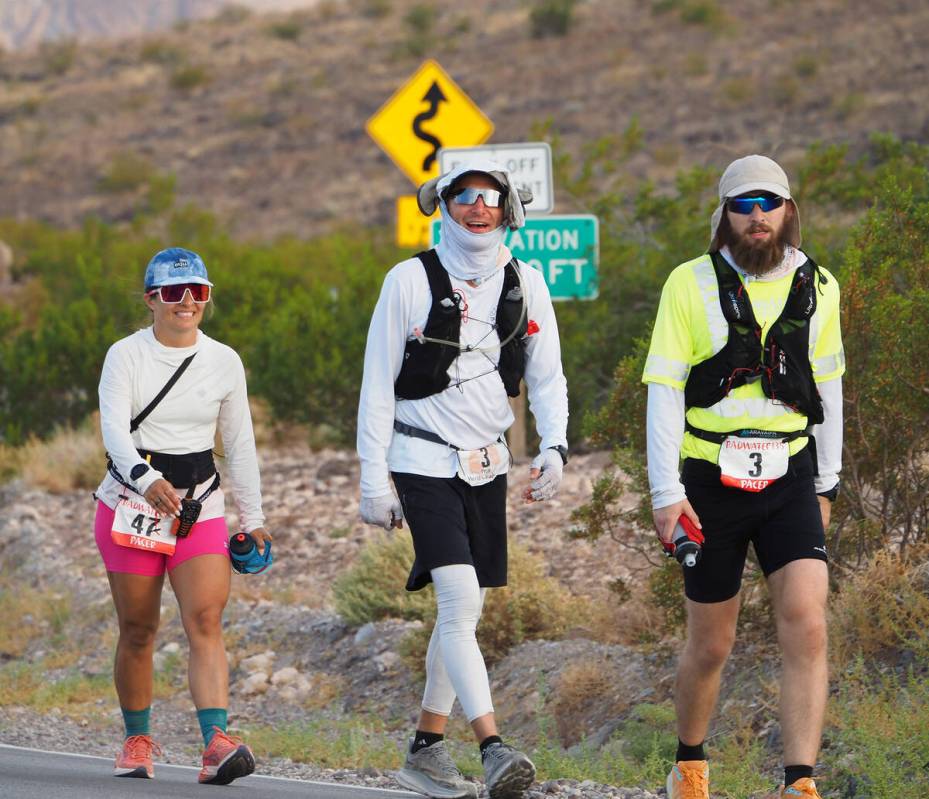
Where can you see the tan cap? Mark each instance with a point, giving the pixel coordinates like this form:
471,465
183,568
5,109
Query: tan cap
754,173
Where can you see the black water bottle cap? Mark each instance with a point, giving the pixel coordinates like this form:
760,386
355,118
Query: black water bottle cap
241,543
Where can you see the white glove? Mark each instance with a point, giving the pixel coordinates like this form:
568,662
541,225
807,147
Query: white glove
546,484
384,511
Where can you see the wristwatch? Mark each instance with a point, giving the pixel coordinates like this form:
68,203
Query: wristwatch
138,470
832,493
563,451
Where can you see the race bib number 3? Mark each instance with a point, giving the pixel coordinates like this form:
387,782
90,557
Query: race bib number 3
137,525
479,466
752,464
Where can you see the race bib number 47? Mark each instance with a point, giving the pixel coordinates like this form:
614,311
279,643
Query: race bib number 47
137,525
752,464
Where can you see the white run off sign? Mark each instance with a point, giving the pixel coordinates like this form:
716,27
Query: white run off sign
564,248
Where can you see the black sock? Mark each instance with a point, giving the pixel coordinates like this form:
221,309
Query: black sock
794,773
688,752
423,739
490,739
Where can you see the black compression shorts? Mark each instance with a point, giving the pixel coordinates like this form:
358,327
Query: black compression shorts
452,523
783,522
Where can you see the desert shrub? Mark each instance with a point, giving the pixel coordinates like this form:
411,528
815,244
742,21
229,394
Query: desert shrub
160,51
373,9
420,23
373,588
880,611
59,56
185,77
289,30
127,171
532,606
68,460
881,736
551,17
578,685
28,613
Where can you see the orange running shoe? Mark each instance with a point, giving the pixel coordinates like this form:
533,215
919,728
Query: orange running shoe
135,759
226,759
689,779
804,788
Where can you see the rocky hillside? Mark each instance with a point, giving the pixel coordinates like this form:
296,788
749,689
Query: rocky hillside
25,23
261,118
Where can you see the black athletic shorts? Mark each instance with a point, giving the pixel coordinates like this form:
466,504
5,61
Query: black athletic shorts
453,522
783,523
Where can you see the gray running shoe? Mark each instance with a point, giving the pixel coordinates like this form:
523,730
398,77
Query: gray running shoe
432,772
507,772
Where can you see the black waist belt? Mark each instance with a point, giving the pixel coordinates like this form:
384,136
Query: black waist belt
425,435
182,471
718,438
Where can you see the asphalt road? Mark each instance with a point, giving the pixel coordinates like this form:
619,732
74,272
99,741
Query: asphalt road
33,774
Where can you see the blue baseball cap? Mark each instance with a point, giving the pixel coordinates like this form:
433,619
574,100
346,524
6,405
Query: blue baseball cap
175,265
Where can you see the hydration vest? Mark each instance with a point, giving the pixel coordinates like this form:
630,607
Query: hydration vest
426,363
781,360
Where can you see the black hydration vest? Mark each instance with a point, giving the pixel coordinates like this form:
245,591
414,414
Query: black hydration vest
426,363
781,361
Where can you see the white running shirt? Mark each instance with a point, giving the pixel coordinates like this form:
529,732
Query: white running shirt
469,415
211,392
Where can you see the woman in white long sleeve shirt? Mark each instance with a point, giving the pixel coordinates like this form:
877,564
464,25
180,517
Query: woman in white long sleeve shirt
140,528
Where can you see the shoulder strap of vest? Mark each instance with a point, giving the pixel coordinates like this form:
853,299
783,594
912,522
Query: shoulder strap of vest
440,284
510,282
733,298
801,302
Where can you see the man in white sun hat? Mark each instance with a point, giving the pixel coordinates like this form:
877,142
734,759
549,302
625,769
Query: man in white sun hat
744,386
454,331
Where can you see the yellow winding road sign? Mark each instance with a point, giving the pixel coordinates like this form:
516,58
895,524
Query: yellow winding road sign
428,112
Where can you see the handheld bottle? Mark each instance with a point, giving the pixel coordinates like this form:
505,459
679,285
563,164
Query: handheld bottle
246,559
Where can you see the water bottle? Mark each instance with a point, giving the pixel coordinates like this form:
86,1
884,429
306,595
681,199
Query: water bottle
246,559
687,541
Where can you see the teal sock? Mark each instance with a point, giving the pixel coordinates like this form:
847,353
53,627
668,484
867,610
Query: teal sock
138,722
211,717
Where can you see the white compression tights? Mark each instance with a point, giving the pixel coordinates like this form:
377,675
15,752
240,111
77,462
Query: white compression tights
454,664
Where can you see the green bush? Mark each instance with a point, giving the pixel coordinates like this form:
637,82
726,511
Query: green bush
551,18
185,77
533,605
373,588
289,30
59,56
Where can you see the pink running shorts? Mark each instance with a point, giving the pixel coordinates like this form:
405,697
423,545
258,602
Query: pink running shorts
210,537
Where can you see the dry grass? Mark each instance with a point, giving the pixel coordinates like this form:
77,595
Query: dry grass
578,687
69,460
882,610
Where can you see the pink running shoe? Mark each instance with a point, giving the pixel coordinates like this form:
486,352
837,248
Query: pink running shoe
135,759
226,759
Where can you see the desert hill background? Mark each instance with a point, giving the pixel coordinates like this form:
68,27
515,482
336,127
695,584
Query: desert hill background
128,126
260,118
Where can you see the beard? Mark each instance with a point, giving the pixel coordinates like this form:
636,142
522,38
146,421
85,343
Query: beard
758,256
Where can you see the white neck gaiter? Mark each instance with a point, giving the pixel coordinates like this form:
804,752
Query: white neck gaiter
467,255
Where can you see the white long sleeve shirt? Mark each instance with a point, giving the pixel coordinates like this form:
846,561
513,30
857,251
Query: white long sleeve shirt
474,410
210,393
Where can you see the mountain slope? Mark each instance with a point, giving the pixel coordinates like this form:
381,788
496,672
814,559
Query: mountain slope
261,119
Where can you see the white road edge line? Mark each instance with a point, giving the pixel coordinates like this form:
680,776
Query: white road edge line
194,768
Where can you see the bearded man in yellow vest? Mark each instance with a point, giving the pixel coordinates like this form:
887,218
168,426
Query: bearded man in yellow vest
744,386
